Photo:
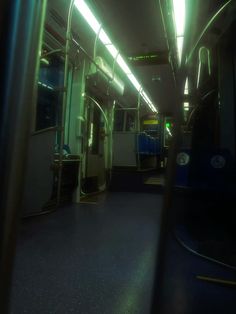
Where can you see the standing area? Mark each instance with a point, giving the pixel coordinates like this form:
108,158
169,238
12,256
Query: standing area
89,258
118,157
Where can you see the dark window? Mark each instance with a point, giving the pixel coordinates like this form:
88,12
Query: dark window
119,121
96,130
130,122
49,101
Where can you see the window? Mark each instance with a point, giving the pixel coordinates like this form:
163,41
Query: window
49,101
119,120
130,122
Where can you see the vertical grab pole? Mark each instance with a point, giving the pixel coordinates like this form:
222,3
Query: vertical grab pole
64,102
138,127
112,119
167,212
95,43
21,32
111,139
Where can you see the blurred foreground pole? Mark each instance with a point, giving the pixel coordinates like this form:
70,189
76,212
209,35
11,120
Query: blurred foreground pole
167,214
21,28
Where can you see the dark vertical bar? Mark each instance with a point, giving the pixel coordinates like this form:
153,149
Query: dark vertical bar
21,33
167,214
227,93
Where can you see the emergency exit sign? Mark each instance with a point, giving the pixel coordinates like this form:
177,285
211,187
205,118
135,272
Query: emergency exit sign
152,58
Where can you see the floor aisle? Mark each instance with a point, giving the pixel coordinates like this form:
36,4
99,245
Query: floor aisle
91,258
99,258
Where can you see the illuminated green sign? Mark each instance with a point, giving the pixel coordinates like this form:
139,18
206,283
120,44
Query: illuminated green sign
160,57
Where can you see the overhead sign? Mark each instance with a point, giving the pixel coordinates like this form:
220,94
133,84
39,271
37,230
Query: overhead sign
151,58
150,122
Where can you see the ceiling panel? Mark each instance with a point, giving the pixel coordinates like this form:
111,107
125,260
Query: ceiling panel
134,27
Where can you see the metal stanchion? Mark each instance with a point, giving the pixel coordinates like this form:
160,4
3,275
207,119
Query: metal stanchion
64,102
21,36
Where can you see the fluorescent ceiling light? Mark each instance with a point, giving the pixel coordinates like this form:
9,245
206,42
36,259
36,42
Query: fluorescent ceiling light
186,105
104,38
180,43
113,51
88,15
134,81
96,27
148,101
179,16
179,11
123,65
186,89
145,96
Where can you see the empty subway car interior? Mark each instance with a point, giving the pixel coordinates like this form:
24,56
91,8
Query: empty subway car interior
118,157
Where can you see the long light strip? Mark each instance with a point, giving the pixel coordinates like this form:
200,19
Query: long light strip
186,92
179,18
186,87
96,27
168,130
180,43
45,85
134,81
179,14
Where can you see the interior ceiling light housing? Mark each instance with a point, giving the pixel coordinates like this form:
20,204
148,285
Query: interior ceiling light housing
114,52
179,12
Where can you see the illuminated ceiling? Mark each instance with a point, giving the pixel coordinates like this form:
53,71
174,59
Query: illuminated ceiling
113,50
136,27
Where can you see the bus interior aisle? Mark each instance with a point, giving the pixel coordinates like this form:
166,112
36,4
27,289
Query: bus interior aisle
89,258
100,257
118,156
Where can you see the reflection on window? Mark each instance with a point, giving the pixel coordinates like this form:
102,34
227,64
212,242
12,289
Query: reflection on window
119,121
124,121
130,122
94,117
90,141
49,101
168,131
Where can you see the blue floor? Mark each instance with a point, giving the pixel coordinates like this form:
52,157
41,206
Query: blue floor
183,293
208,227
101,259
89,258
